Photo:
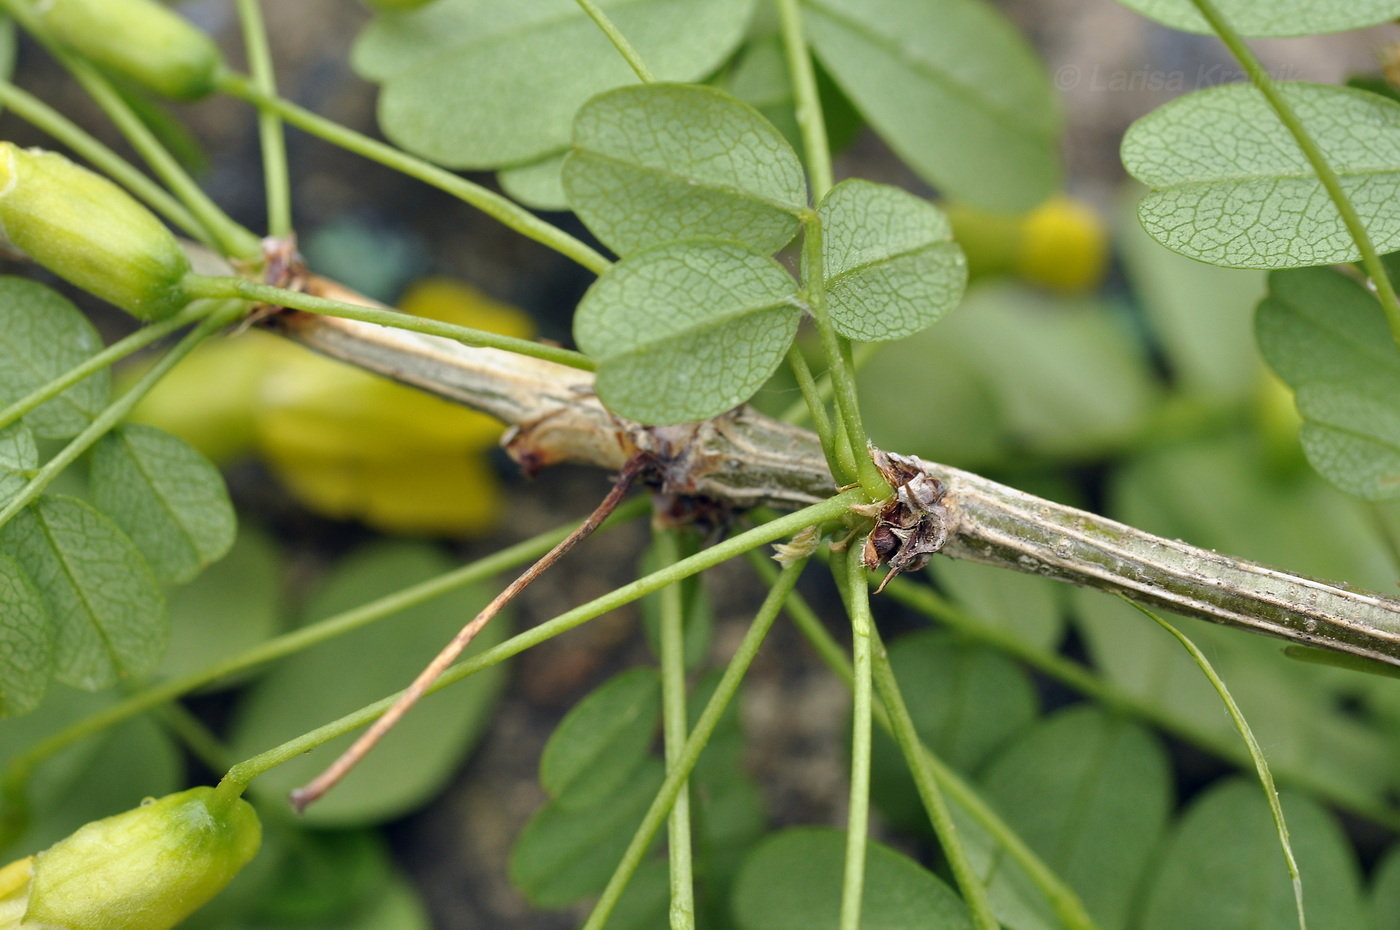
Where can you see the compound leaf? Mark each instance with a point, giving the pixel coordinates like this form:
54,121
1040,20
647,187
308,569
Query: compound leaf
891,265
1231,187
686,330
167,497
662,162
1325,335
603,740
108,615
482,84
1227,843
792,881
26,642
42,335
538,184
1272,17
954,89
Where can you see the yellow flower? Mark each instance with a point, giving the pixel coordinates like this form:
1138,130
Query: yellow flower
1061,244
146,869
347,444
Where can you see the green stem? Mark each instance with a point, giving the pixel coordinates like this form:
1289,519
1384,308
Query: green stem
810,119
677,774
916,759
1061,897
20,768
1256,753
115,412
838,454
242,288
113,353
618,40
842,380
1070,673
829,509
276,177
492,204
800,410
1375,268
857,596
231,238
674,727
45,118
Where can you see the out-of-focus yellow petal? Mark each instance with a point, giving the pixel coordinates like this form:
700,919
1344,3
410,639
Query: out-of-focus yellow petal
451,301
208,399
352,445
1064,246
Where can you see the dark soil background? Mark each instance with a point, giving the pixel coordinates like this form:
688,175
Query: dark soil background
1110,66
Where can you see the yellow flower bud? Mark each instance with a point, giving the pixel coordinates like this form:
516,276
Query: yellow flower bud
85,229
146,869
140,40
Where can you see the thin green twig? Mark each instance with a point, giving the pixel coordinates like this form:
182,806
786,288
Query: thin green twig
810,119
916,759
242,288
1375,268
829,509
492,204
1256,753
674,727
856,593
19,770
618,40
45,118
838,454
704,727
1062,898
276,177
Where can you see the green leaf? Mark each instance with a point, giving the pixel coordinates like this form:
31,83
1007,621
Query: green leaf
131,761
686,330
1272,17
19,458
953,88
662,162
1090,793
339,676
890,263
1201,314
565,854
1223,868
603,740
26,642
42,335
167,497
481,84
1231,187
109,617
1023,605
792,881
325,876
645,905
1325,335
1385,889
539,184
232,607
966,702
1025,373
